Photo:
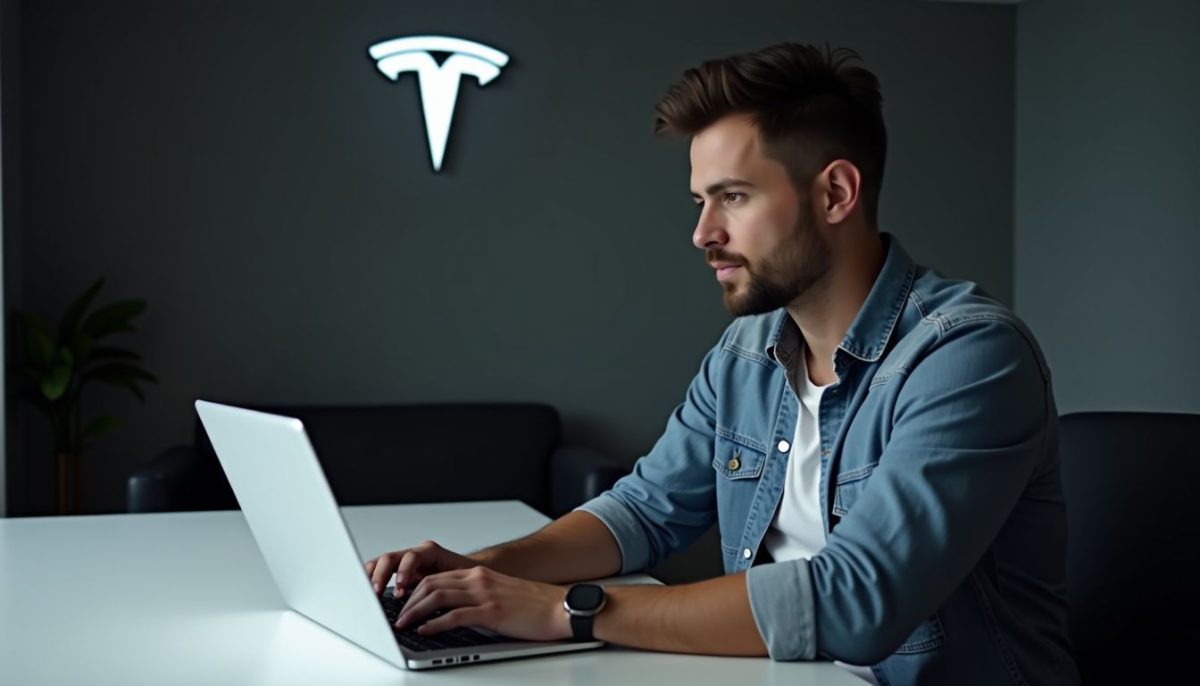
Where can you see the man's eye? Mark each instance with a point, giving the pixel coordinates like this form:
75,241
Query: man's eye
733,197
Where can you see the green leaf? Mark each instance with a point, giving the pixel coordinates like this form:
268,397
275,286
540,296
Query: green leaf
82,344
127,383
122,375
39,346
120,370
70,320
113,318
64,356
54,385
104,352
100,426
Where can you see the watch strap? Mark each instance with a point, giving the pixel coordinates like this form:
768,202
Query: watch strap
581,627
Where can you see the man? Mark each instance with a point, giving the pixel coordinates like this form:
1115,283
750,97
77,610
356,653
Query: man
877,443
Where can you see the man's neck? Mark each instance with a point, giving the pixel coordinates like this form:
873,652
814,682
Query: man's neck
825,313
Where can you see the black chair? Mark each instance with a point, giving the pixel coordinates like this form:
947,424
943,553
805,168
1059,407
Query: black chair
403,454
1132,487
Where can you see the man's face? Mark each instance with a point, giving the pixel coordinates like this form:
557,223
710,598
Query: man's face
756,230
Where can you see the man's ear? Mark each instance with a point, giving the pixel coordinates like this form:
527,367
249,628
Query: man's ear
839,185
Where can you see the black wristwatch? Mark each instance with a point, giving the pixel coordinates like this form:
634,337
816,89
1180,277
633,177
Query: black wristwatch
583,603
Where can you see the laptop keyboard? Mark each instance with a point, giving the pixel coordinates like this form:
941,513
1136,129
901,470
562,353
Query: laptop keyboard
460,637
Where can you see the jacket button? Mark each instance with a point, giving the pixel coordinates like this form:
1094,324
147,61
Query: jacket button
734,463
784,446
746,553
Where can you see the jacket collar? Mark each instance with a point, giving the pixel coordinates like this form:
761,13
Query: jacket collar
868,335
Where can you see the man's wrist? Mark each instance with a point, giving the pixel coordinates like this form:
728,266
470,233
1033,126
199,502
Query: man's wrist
583,602
562,620
481,556
501,558
484,557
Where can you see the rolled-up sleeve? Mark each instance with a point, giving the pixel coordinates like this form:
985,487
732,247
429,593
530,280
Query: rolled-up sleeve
781,600
669,499
635,550
970,427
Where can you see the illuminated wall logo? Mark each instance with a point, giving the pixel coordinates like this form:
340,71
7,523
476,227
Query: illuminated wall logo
438,84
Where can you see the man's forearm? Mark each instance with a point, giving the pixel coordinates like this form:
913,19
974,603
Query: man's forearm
574,547
711,617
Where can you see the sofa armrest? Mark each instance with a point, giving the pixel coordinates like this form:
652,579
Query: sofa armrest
178,479
578,474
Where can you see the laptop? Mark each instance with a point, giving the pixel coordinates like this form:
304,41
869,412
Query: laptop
298,527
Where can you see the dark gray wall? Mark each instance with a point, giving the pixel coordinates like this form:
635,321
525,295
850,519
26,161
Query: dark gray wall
9,35
1107,198
244,168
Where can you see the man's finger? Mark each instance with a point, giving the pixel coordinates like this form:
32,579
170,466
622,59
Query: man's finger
463,616
451,575
432,583
418,609
404,570
381,572
413,567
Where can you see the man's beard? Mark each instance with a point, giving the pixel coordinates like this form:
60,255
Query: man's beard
787,273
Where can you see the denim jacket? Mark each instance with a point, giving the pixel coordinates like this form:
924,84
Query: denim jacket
941,501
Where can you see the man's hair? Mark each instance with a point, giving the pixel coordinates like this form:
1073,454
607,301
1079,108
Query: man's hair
811,106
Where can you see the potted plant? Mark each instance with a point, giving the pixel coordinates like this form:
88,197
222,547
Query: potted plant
55,366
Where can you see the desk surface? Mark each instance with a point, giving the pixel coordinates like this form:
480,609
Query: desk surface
185,598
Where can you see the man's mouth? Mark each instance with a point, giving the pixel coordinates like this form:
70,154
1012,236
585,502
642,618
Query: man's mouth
725,271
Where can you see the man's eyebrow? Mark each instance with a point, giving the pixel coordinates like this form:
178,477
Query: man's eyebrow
723,184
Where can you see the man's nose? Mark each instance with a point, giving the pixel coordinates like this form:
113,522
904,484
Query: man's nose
710,230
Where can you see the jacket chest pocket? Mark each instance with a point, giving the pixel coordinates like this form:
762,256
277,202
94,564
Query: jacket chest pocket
738,466
737,458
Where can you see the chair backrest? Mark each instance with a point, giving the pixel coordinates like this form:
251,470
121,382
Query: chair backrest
1132,486
392,454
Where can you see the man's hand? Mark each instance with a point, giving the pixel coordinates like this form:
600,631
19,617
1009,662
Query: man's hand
414,564
481,597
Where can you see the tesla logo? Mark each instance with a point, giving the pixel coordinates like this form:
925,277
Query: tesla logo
438,84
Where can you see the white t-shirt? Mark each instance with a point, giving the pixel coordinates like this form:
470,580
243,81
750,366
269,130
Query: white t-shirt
797,531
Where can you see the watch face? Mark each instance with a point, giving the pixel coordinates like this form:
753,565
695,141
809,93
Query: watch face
585,597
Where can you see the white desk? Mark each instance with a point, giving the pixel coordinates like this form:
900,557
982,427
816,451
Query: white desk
186,599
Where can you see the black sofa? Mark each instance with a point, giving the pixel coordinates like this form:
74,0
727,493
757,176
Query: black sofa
390,454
